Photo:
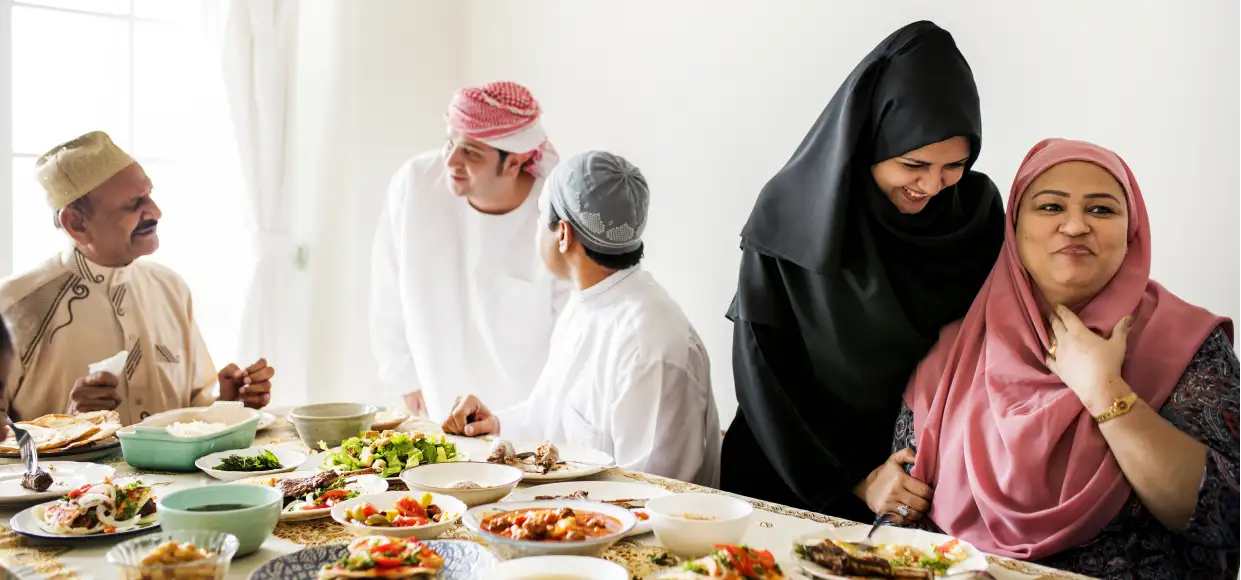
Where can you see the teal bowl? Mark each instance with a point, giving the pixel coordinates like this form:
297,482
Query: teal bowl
249,512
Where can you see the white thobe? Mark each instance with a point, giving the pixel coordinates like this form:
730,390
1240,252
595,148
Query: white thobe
460,300
626,375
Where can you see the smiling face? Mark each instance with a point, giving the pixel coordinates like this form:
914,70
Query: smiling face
482,174
118,223
912,179
1072,231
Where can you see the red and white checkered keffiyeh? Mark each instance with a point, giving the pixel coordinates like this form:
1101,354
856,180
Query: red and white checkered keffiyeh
503,115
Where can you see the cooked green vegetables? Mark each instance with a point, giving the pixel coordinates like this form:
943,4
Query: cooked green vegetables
264,461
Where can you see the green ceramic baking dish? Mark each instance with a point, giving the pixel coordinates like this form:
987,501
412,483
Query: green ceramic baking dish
149,444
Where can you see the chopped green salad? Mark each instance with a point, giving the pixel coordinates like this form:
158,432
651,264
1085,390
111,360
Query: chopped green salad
388,453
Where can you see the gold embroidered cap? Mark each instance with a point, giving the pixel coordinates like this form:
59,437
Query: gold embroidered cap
74,168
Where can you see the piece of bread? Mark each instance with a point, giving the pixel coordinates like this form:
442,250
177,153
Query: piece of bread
44,438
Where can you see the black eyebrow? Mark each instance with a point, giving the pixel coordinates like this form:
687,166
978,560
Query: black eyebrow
1055,192
921,162
1059,193
1102,196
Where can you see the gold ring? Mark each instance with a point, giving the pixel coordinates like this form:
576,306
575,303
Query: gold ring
1051,352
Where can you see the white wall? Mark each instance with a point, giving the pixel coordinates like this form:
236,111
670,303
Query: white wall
709,98
374,79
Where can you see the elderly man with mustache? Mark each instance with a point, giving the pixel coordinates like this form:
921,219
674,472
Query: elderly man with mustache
96,299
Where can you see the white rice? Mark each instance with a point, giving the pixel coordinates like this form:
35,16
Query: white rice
194,428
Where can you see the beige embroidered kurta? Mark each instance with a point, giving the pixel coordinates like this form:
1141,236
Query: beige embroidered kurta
69,312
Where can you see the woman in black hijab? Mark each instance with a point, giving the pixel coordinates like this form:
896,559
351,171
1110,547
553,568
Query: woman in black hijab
873,236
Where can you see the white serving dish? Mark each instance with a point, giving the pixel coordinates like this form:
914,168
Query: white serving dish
509,548
689,538
386,501
363,484
599,491
497,481
560,567
975,560
576,462
291,460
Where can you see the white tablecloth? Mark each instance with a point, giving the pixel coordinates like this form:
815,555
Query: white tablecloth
773,527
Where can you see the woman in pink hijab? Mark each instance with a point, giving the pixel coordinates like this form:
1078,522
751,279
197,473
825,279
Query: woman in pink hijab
1080,415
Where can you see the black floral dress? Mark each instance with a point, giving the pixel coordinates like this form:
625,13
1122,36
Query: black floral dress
1135,545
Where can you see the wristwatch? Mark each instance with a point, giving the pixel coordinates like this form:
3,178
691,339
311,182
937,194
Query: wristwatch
1119,407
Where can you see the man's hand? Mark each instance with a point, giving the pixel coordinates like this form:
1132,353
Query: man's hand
251,386
470,417
416,404
94,392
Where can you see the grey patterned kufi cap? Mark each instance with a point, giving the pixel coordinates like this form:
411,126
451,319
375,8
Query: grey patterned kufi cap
604,198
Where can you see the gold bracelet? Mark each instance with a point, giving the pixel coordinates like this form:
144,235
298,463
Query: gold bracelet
1119,407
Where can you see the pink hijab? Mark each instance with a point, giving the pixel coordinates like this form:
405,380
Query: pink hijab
1018,465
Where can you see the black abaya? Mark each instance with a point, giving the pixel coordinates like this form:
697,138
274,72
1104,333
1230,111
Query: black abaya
840,295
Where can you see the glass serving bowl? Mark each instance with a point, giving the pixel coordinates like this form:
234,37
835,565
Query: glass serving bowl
128,556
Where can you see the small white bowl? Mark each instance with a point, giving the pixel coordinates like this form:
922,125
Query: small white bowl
290,459
496,481
690,538
386,501
559,567
509,548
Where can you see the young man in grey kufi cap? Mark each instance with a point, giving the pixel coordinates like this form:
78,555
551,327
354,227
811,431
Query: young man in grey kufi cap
626,372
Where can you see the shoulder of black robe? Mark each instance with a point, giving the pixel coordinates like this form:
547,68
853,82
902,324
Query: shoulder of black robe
828,257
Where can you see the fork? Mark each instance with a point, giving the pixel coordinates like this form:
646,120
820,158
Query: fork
30,455
879,521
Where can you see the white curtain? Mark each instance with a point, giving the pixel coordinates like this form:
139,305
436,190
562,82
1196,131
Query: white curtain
259,59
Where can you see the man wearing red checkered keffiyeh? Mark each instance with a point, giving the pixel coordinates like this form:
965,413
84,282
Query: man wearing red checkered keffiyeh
496,145
460,298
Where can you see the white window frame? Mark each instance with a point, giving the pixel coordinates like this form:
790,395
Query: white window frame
8,244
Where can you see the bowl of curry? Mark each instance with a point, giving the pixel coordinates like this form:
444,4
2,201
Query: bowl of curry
550,528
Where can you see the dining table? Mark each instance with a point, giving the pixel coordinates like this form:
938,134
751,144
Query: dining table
772,527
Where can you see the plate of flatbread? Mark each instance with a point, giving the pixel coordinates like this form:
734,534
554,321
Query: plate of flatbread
80,436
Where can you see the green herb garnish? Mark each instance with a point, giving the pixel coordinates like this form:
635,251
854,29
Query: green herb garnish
695,568
264,461
663,559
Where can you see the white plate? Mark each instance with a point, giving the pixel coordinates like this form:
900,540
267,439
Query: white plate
266,420
559,567
26,523
975,562
66,477
101,448
290,459
598,491
386,501
363,484
578,462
